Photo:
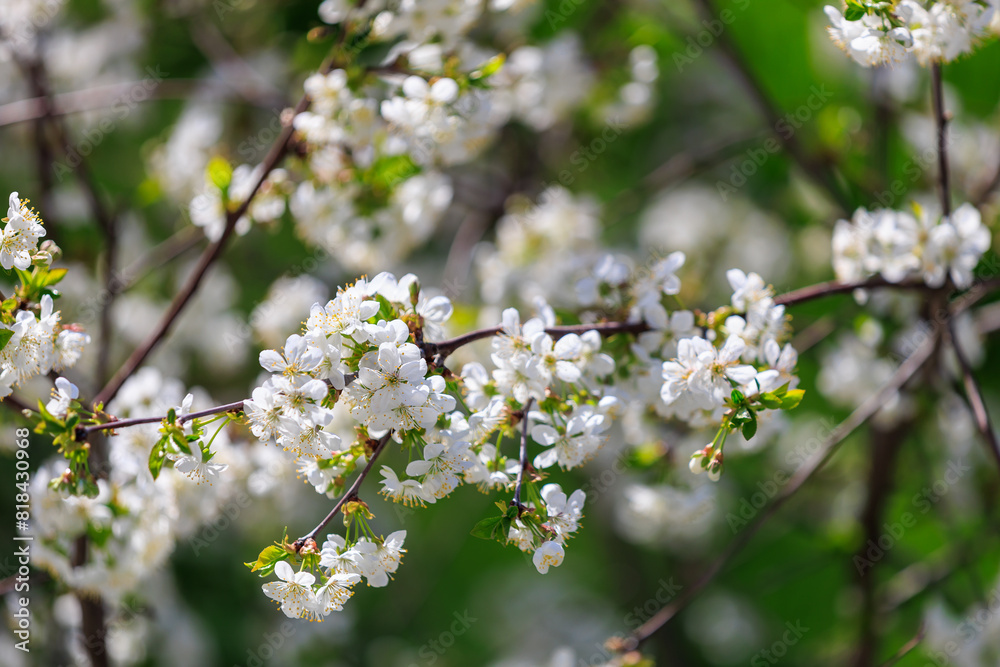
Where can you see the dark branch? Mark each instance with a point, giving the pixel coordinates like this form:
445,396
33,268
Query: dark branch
350,494
941,119
863,413
524,455
974,397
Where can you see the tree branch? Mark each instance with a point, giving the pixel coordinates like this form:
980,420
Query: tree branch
885,447
863,413
350,494
105,97
974,397
908,646
941,119
524,456
138,421
438,352
832,287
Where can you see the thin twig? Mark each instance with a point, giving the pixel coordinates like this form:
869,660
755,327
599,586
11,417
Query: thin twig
438,352
863,413
836,287
175,245
885,447
941,119
15,403
105,97
350,494
524,455
974,397
138,421
908,646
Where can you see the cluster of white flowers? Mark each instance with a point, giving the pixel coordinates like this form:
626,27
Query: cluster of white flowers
19,238
370,187
539,248
541,85
299,595
391,389
137,521
559,522
38,342
878,33
900,245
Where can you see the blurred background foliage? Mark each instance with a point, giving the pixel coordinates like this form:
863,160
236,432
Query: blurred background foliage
706,123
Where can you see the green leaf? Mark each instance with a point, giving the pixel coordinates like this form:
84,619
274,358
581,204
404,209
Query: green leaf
501,531
5,336
51,277
220,172
792,398
373,53
157,456
267,559
486,528
750,428
737,397
742,417
855,10
770,400
491,67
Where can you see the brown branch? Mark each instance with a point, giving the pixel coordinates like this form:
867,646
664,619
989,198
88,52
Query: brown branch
438,352
110,285
92,611
908,646
516,502
84,431
885,447
15,403
832,287
863,413
974,397
941,119
180,242
350,494
105,97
